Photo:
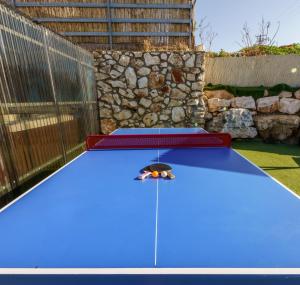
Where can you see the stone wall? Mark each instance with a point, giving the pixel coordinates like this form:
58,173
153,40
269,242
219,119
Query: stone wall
254,70
274,118
150,89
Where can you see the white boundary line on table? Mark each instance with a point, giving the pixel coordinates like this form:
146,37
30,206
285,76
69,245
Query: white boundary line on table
41,182
150,271
263,171
156,212
267,174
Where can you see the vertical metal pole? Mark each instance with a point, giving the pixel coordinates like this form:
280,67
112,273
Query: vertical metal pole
191,23
55,97
109,23
5,147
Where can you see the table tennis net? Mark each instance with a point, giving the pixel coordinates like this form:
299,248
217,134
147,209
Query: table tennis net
98,142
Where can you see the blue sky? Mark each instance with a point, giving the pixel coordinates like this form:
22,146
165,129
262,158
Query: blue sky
228,16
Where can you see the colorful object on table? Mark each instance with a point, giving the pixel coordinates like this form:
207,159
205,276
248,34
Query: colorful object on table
164,174
156,170
144,175
155,174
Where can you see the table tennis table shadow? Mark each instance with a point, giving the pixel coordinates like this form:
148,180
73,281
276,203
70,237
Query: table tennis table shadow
222,220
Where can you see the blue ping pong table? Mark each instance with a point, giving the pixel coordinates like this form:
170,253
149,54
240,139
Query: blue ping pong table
221,221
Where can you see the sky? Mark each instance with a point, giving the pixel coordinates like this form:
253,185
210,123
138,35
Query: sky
227,18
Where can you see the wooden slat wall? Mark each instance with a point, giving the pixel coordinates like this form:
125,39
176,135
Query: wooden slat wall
123,42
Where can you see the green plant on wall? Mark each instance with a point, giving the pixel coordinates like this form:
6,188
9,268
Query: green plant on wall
256,91
260,50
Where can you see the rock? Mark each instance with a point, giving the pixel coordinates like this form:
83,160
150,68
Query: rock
297,94
199,60
150,119
216,104
216,124
184,88
108,126
194,70
101,76
197,86
285,94
151,60
277,127
176,60
143,82
158,99
268,104
117,99
141,92
177,94
136,63
123,115
191,61
177,75
191,77
126,93
241,133
104,87
175,103
108,98
115,74
178,114
141,111
164,117
164,56
154,93
196,94
111,62
124,60
245,102
155,68
193,102
289,106
116,55
144,71
117,84
124,124
167,101
156,80
138,54
145,102
129,104
238,118
116,109
221,94
105,113
130,77
165,90
156,107
119,68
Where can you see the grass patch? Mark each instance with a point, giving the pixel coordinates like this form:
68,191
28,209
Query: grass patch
279,160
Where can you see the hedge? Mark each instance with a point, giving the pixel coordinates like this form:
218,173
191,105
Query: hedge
255,92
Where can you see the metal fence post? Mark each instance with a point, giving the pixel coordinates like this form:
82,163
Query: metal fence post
64,153
109,22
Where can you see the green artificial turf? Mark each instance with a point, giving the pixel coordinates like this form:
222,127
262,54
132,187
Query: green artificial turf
280,160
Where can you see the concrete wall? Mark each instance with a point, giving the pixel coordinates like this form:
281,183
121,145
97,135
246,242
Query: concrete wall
149,89
254,71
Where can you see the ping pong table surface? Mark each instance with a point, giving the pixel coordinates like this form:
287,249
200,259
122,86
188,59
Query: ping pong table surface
221,221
